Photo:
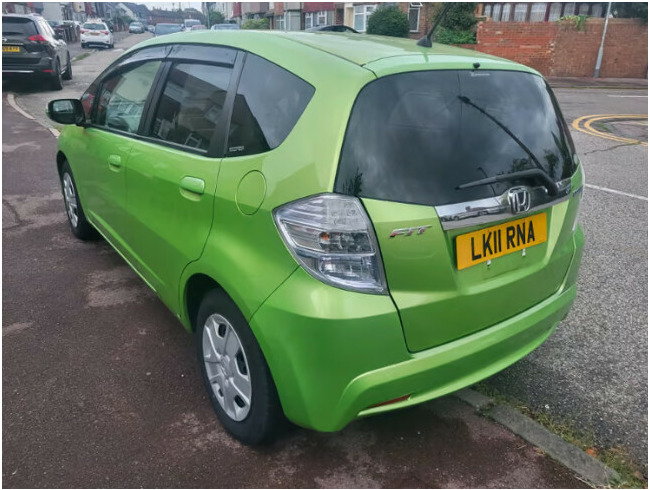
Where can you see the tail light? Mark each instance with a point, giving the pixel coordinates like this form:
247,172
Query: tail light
38,38
104,32
83,31
331,237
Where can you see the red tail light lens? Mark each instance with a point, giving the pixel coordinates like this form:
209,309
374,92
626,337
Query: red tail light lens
104,32
83,31
38,38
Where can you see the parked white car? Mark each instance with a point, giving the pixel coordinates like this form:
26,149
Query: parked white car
96,32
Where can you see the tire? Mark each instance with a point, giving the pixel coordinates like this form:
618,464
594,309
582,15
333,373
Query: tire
68,70
79,225
84,45
57,81
112,46
238,370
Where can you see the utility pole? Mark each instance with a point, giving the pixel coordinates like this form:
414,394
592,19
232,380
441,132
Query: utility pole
602,42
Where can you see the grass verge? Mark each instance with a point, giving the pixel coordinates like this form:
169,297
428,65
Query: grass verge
633,475
81,56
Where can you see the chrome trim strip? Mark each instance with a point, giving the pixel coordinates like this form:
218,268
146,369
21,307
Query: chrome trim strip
493,209
17,71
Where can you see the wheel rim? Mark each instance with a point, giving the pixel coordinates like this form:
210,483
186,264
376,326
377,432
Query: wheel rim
226,367
71,204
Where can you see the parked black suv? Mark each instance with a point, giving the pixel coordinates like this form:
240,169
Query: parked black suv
31,49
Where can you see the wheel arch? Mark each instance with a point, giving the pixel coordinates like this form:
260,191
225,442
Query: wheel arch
195,289
60,160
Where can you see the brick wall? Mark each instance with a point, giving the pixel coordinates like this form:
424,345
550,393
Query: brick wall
562,50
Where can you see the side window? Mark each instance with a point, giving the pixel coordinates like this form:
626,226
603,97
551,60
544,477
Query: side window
122,97
269,102
88,98
191,104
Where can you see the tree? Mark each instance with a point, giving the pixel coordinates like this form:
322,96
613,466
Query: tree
458,26
216,17
258,24
388,21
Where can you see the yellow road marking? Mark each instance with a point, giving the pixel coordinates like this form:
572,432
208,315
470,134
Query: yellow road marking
584,123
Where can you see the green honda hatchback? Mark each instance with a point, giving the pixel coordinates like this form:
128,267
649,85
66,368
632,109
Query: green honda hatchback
348,224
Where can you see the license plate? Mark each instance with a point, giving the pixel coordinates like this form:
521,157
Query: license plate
489,243
94,33
10,49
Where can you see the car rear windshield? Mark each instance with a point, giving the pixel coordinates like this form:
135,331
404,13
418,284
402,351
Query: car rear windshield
95,26
167,28
18,27
415,137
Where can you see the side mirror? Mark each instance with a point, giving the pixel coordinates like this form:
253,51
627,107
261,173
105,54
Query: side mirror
66,111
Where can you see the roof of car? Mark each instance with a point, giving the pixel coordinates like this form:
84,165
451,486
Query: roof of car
386,54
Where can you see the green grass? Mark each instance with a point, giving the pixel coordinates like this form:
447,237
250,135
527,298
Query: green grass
81,56
602,127
632,474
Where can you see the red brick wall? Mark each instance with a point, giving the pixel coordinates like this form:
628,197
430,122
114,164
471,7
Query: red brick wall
562,50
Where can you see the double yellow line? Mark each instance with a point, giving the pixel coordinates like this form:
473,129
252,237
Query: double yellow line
584,124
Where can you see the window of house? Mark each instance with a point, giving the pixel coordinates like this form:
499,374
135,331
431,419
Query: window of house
361,14
538,12
191,105
268,104
505,15
597,10
521,9
555,12
279,22
584,9
569,8
414,16
122,97
487,10
308,21
321,18
496,14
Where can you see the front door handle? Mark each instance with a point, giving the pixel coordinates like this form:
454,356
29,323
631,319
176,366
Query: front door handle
115,161
193,185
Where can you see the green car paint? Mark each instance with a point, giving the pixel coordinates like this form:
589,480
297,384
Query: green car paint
180,219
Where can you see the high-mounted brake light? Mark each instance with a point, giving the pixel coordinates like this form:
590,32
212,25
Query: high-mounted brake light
38,38
331,237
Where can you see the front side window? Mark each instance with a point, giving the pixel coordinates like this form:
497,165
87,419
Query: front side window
191,105
416,137
122,97
268,104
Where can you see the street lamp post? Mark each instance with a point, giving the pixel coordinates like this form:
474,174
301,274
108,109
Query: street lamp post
602,42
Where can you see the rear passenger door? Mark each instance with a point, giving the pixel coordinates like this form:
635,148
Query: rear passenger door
174,166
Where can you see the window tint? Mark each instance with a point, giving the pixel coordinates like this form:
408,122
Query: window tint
16,26
269,102
122,97
191,104
416,137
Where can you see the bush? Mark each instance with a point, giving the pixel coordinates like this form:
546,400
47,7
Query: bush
388,21
460,17
258,24
216,17
447,36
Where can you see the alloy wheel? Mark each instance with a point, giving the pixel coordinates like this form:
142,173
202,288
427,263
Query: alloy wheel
70,196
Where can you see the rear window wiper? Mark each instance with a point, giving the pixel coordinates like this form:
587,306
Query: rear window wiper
539,172
535,173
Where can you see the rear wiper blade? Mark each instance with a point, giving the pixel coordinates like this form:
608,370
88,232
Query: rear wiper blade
522,174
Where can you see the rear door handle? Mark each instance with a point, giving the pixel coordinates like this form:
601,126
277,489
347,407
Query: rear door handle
115,161
193,185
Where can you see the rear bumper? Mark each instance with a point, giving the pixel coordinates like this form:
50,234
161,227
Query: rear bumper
334,354
26,69
103,40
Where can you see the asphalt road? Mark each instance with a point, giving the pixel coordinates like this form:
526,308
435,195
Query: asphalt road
593,372
101,388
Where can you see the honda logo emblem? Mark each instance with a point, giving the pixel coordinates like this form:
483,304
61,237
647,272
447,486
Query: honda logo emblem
519,200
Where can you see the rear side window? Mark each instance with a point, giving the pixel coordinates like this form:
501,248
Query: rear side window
269,102
123,96
415,137
191,105
15,26
94,26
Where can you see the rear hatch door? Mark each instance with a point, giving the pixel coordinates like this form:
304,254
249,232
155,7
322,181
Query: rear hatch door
467,178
